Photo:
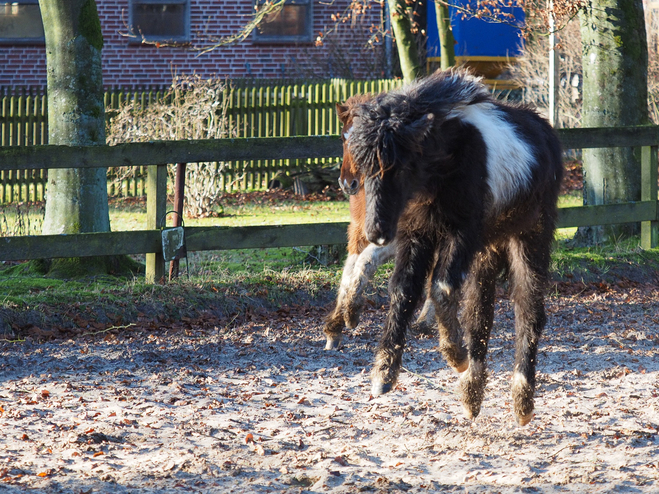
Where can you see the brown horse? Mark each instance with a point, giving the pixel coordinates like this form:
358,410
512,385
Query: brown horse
363,257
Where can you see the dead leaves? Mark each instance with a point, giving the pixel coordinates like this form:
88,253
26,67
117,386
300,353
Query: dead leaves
253,445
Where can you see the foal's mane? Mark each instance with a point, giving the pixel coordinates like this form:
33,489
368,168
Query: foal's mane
394,123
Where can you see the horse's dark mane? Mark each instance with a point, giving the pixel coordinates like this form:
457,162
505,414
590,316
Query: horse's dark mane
382,119
438,93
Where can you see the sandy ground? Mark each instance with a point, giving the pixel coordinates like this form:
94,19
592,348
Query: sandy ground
258,406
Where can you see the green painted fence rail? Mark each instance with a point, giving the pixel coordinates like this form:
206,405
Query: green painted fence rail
155,154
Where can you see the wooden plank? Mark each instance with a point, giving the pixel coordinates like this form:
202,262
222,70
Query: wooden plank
247,149
608,214
251,237
255,237
156,207
79,245
649,229
158,152
609,137
145,241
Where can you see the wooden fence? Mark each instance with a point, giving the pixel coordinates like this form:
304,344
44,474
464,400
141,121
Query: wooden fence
278,110
155,154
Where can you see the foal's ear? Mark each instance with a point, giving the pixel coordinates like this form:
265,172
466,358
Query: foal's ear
423,126
417,131
343,111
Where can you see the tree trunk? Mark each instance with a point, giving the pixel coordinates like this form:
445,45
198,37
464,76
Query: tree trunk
615,62
77,200
445,33
405,42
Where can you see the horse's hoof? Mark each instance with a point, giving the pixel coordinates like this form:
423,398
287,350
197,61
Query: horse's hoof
462,366
522,420
470,413
379,388
333,342
422,327
351,317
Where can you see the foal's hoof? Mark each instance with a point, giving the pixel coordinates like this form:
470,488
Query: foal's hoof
333,342
379,388
351,316
461,366
422,327
522,420
471,411
456,356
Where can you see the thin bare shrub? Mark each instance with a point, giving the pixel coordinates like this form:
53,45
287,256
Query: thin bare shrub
532,73
193,108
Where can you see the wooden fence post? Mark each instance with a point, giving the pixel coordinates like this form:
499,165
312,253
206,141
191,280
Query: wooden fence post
649,170
156,207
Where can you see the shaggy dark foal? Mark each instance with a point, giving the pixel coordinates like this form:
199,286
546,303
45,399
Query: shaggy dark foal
467,188
363,257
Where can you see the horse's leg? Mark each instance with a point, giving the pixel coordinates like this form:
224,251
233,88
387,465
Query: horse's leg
335,321
478,296
413,263
454,260
367,263
529,265
426,322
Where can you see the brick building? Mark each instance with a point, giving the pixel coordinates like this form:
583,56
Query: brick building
147,41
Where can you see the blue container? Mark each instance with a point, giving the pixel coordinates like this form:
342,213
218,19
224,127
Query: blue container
479,43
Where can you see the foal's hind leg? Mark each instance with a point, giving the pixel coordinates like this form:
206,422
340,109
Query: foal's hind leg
529,265
426,322
453,264
446,300
335,321
477,317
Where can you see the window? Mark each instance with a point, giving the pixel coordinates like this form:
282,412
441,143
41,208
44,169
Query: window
291,24
20,22
160,20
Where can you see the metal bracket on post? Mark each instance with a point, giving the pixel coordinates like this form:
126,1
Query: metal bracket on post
649,172
173,242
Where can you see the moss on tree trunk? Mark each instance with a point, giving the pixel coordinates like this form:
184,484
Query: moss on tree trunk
446,39
408,54
76,200
614,93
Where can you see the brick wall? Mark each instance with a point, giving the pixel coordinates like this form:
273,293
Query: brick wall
127,62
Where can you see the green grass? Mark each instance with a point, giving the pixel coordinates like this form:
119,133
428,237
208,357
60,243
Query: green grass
255,277
285,212
613,260
571,199
27,219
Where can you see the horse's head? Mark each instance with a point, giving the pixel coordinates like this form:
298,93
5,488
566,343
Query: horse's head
349,180
386,148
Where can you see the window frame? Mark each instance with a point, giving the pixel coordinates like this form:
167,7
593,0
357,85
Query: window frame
24,41
138,37
305,38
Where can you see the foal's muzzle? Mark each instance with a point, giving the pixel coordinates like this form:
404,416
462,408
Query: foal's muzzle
349,188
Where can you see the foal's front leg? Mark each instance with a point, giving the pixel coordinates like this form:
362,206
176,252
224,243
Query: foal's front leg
335,321
413,263
371,258
357,272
